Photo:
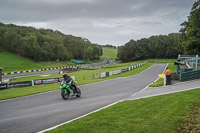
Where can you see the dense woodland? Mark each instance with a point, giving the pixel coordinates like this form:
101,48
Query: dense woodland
162,46
166,46
190,32
45,44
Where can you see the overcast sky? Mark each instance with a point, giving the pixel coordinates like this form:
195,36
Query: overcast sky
112,22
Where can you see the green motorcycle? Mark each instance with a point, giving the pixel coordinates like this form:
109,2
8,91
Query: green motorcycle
69,89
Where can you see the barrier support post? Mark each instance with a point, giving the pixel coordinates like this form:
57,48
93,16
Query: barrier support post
1,74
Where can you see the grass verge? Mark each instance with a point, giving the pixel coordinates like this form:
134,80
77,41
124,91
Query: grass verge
160,114
19,92
158,83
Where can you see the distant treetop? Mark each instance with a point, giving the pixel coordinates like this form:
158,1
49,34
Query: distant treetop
109,46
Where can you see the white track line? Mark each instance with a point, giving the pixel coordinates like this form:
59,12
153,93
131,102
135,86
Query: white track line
147,85
164,93
162,72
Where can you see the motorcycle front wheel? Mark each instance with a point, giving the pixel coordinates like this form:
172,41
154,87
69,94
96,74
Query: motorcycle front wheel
64,95
78,93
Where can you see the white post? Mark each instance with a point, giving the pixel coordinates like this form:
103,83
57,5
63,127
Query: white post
32,82
165,79
196,67
179,56
73,77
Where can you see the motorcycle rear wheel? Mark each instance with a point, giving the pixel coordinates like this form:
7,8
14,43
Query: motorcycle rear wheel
64,95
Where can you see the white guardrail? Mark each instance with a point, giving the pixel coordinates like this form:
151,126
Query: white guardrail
106,74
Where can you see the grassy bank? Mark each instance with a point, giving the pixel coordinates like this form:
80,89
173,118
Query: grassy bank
160,114
109,52
159,82
19,92
11,63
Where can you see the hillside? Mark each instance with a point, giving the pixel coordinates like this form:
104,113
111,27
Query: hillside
109,52
45,44
11,62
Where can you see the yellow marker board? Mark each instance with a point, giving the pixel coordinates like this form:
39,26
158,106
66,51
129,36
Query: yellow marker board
161,76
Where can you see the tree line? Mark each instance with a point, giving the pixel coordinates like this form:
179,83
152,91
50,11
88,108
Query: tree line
187,41
46,44
108,46
190,31
162,46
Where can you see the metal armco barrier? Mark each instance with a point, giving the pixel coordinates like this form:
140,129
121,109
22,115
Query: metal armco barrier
83,66
31,83
106,74
19,84
39,70
124,70
37,82
190,75
50,81
3,86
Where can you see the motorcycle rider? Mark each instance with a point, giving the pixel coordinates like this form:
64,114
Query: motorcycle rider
69,81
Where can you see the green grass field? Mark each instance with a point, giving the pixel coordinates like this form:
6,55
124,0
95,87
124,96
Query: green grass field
11,63
109,52
160,114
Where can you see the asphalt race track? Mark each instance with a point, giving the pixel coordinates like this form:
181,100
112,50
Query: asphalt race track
38,112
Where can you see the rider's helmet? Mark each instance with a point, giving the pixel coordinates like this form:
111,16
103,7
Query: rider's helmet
65,76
